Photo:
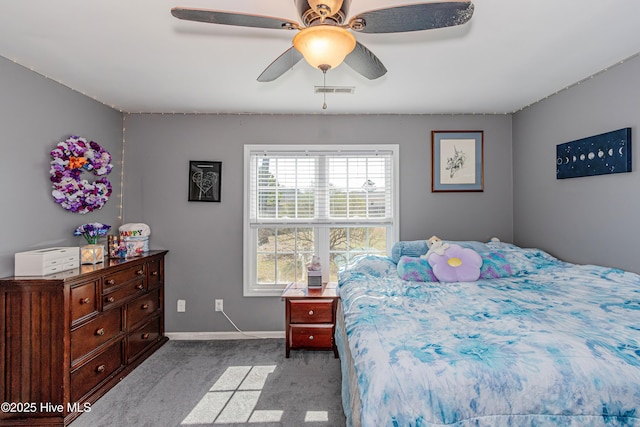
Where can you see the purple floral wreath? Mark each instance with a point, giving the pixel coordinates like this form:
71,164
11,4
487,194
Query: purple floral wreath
68,160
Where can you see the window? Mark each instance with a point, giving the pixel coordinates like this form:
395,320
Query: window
333,201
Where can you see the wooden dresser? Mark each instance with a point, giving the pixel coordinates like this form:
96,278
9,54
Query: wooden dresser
67,338
310,317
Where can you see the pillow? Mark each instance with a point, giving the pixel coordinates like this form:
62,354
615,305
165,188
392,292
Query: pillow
415,269
458,264
410,248
494,266
368,265
470,244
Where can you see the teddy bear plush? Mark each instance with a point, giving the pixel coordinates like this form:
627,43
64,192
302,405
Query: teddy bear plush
436,246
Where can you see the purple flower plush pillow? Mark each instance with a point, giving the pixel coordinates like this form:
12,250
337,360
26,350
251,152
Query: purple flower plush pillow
457,264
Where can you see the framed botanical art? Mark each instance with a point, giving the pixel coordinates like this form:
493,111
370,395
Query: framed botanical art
457,161
205,180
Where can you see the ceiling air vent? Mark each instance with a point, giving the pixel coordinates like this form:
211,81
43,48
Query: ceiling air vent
335,89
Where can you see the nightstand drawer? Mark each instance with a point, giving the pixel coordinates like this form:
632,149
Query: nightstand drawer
311,336
311,311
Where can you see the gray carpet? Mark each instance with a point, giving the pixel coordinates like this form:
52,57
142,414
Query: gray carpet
225,383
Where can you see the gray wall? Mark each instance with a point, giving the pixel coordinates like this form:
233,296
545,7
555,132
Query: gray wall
205,239
584,220
589,219
35,114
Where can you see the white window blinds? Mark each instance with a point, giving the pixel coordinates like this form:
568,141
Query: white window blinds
320,187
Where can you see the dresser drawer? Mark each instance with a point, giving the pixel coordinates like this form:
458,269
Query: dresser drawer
95,333
143,337
311,311
122,294
142,307
84,300
95,371
124,276
155,273
311,336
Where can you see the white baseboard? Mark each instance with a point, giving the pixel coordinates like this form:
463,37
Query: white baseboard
195,336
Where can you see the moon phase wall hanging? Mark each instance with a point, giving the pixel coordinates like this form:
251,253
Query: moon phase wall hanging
204,181
596,155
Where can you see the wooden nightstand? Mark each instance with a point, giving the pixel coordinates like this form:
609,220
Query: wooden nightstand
310,317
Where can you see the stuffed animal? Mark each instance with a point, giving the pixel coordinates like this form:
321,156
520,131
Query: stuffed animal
314,265
436,246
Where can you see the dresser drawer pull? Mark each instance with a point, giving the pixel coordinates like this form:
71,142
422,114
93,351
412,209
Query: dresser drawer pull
154,273
111,299
310,312
85,300
100,331
310,337
101,368
145,306
140,272
145,336
140,286
111,282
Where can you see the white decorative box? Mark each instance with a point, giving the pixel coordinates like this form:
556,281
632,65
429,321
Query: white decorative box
46,261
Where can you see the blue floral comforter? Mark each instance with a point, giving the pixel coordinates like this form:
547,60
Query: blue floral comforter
554,344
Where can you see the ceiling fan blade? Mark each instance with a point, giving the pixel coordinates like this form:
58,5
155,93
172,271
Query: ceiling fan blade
231,18
281,65
365,62
413,17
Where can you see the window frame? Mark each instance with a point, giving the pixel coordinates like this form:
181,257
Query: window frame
251,289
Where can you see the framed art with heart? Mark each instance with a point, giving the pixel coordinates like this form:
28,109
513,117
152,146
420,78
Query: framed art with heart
205,179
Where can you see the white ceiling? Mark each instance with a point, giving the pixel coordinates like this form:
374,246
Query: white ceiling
135,56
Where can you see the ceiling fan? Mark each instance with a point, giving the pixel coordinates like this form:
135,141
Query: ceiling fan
324,39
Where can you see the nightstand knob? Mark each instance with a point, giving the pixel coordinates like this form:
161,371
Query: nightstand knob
310,337
310,312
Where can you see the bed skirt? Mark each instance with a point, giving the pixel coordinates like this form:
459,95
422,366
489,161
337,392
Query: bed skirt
350,395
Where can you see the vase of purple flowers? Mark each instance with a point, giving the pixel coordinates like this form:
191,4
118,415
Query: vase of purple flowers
93,253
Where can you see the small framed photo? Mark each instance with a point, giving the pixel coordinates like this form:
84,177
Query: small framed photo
457,161
205,180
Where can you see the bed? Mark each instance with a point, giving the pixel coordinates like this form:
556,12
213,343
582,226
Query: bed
534,342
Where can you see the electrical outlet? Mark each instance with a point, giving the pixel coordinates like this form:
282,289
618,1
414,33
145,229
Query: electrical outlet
219,305
182,306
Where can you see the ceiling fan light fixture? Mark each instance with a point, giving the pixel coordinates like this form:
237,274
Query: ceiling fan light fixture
324,46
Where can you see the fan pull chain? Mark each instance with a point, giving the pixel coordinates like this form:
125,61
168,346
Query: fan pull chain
324,92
